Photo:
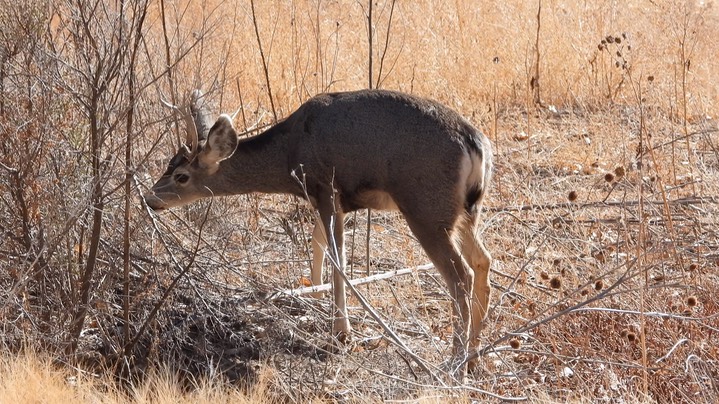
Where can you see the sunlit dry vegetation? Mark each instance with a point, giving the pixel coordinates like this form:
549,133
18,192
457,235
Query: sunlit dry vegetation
602,215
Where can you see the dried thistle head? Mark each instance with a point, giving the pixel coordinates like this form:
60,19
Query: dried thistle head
556,282
692,301
619,172
608,177
573,195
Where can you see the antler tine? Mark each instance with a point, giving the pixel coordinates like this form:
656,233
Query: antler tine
197,117
201,115
177,110
192,138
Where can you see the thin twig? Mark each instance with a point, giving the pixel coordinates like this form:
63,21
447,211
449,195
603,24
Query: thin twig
680,342
386,45
535,81
264,60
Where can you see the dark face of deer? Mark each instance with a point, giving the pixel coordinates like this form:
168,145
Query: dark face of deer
192,175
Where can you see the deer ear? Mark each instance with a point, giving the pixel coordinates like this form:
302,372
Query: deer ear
221,143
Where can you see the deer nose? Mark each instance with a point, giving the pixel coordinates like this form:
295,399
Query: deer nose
154,202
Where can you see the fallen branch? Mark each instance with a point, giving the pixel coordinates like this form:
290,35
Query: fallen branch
445,388
654,314
354,282
567,205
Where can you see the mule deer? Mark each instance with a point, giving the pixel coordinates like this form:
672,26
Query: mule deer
365,149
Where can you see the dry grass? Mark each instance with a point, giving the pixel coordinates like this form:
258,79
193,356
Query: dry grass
33,378
460,52
602,217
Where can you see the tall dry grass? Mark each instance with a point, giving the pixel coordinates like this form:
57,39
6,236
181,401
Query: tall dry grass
32,378
459,51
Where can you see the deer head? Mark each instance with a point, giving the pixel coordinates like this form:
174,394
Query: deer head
198,160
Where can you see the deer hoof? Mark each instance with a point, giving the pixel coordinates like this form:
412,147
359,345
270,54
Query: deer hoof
341,330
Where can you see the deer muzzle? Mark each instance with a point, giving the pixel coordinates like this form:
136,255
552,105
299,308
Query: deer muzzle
154,202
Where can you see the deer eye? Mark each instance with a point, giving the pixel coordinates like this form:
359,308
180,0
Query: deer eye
181,178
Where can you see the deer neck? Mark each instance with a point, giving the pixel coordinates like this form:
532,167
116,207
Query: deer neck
259,164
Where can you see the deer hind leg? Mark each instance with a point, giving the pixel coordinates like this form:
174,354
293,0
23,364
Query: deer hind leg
333,224
319,246
437,243
479,259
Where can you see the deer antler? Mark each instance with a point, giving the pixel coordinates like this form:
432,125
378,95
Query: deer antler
193,140
201,116
197,117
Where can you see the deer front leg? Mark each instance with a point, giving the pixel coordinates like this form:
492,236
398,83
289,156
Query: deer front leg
319,245
333,223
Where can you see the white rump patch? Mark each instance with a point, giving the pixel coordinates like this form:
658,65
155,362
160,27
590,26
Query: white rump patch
472,174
